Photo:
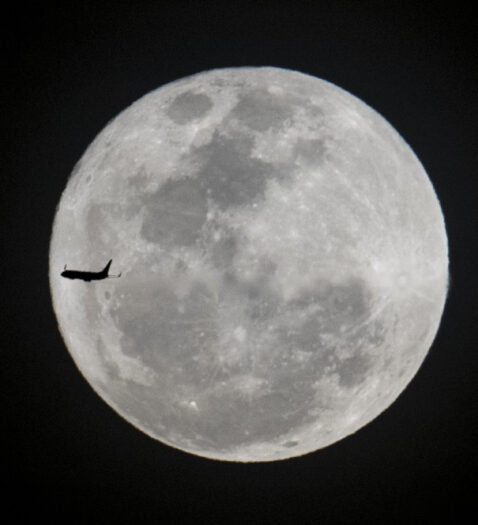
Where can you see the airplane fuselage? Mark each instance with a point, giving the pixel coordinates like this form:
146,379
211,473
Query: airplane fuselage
89,276
84,276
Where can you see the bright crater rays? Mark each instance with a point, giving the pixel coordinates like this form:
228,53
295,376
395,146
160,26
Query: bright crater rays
284,264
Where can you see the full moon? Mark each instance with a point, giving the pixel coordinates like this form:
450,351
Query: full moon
283,259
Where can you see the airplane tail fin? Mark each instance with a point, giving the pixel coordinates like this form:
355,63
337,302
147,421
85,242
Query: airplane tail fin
107,267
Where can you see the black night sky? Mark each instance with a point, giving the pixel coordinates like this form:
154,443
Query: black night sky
67,71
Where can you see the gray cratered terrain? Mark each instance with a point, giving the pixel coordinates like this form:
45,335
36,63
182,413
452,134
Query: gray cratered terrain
284,264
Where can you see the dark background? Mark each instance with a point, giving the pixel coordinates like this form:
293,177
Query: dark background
67,71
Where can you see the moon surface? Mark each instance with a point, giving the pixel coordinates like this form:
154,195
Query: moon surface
284,264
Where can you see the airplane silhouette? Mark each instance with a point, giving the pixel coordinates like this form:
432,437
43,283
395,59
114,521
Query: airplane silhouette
89,276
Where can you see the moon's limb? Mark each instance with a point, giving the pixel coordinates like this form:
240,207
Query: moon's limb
284,264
